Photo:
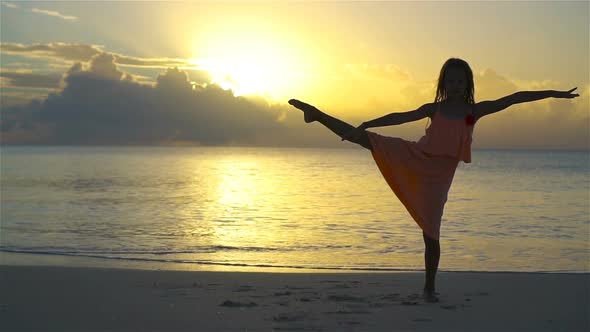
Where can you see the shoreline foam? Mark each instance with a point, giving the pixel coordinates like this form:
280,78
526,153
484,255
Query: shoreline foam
90,261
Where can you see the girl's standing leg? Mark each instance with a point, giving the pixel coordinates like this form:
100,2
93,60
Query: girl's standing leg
337,126
431,259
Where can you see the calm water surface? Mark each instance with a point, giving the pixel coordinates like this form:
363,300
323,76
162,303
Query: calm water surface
300,208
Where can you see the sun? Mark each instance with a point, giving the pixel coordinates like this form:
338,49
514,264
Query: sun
251,64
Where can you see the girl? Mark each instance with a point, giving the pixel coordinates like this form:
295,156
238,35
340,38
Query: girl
420,173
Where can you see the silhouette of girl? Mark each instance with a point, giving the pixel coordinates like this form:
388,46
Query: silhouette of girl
420,173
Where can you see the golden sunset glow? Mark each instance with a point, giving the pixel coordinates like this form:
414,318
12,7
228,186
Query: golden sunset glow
250,63
356,61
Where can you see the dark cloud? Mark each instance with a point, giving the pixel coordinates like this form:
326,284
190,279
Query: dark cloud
30,80
101,105
101,66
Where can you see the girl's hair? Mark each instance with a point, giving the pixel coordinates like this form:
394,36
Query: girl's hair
441,93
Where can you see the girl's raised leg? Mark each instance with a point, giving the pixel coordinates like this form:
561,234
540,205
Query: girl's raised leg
337,126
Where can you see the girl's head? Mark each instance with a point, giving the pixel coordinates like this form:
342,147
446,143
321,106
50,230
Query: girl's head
455,82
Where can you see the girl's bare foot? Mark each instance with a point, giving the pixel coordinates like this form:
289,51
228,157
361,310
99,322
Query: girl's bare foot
430,296
310,113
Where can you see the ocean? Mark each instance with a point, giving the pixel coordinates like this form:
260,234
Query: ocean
230,208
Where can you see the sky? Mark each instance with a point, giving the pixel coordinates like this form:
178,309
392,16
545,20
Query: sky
221,73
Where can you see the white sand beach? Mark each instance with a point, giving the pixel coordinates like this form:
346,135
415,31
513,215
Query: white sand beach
48,298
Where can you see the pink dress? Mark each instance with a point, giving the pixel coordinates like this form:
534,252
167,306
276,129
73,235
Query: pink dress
420,173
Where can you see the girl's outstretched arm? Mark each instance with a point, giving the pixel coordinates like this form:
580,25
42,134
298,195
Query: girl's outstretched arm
488,107
401,117
390,120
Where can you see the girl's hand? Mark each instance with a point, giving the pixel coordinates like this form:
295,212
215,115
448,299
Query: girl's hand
354,134
566,94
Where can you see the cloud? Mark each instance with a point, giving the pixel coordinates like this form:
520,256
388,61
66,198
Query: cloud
124,60
10,5
84,52
27,79
62,51
545,124
11,99
43,12
491,85
100,105
54,14
101,66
